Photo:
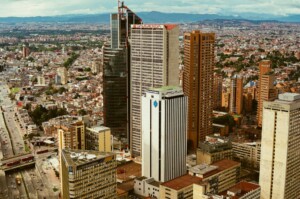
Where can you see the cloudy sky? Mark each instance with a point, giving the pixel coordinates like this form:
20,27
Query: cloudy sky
228,7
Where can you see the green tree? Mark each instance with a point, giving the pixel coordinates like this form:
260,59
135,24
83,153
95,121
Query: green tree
225,120
30,59
82,112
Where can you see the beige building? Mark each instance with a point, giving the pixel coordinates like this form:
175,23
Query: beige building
41,80
146,187
266,89
62,75
280,149
96,66
71,134
247,151
225,99
212,179
242,190
213,150
98,138
181,187
154,63
88,175
222,175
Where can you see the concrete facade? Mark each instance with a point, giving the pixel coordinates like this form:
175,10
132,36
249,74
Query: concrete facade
247,151
280,160
98,138
88,174
164,133
154,63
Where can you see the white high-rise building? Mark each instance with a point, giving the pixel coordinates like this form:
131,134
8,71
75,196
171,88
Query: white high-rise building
280,149
154,63
164,131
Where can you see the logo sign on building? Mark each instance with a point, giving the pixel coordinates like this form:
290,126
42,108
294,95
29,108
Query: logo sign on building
155,104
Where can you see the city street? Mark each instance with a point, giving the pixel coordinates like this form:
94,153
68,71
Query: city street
37,183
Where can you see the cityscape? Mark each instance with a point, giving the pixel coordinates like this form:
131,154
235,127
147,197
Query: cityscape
139,104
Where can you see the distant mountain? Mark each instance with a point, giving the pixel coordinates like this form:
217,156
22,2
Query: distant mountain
159,17
97,18
148,17
291,18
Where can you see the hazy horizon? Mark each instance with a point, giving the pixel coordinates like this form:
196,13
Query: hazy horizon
32,8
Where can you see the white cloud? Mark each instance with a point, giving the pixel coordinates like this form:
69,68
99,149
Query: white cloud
60,7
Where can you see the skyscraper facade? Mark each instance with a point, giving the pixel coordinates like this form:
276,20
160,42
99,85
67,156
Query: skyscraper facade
280,161
198,84
154,63
218,87
266,88
116,76
236,94
164,131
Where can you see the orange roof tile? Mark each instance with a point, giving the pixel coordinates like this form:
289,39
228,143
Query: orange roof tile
225,164
181,182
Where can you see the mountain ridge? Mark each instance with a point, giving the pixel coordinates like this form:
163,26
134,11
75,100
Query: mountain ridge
148,17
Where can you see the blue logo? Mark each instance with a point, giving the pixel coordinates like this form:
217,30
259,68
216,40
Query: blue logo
155,104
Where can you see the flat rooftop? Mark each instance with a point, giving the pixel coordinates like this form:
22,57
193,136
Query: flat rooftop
202,169
226,164
165,90
150,26
80,157
99,128
129,171
181,182
239,190
289,96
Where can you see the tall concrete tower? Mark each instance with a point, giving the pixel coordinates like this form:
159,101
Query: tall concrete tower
164,133
280,160
154,63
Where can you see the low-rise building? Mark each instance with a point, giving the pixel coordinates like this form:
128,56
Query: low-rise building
247,151
219,176
71,134
214,149
181,187
242,190
146,187
98,138
203,180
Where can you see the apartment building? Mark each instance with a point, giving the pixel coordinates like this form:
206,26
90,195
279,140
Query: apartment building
88,174
266,88
198,84
213,150
249,151
98,138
